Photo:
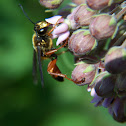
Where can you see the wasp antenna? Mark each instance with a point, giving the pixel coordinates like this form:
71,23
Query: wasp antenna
26,14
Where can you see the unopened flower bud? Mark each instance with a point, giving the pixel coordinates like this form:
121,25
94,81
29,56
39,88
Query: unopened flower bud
70,19
83,73
98,4
81,42
104,85
103,26
83,15
52,4
121,82
78,2
115,60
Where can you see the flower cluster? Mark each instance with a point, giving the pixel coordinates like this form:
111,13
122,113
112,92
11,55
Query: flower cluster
97,39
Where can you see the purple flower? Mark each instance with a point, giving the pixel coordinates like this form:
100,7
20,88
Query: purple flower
96,39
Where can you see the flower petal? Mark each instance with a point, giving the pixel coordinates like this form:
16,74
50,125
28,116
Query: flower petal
54,36
62,37
96,99
54,19
61,28
107,102
116,106
93,93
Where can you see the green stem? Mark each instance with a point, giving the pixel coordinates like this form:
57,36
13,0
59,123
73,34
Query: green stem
120,14
124,44
119,41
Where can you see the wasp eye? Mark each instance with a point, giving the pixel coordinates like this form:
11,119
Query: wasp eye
41,30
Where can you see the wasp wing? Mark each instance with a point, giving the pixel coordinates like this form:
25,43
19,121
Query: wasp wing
40,65
34,72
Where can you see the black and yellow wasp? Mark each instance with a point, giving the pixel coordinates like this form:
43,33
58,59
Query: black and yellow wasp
43,49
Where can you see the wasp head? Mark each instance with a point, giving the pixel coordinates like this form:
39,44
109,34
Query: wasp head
41,27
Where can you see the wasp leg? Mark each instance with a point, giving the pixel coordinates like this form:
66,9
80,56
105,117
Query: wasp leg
55,50
53,68
65,76
54,71
40,65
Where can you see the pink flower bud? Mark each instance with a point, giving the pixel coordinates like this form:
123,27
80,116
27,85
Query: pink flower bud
51,3
97,4
78,2
103,26
81,42
83,15
84,72
70,18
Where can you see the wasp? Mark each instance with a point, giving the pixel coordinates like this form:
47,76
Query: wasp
43,49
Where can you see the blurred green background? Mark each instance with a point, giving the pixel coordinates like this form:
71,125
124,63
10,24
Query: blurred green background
21,102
